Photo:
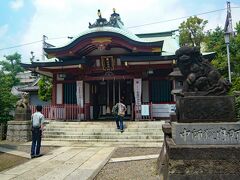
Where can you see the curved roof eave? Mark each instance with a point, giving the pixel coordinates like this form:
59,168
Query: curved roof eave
106,32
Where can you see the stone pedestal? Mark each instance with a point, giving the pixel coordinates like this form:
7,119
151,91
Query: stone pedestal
206,109
22,114
225,133
202,161
19,131
202,141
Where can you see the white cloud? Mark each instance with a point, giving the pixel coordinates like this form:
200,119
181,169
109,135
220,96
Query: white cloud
58,18
16,4
3,30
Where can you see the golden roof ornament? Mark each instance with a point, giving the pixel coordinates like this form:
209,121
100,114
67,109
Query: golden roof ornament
114,21
99,13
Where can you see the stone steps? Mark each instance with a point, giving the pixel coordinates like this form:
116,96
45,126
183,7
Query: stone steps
116,136
103,132
129,133
105,140
102,126
151,124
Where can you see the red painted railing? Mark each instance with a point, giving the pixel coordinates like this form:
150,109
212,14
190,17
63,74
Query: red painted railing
62,112
70,112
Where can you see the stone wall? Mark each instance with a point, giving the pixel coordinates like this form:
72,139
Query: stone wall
19,131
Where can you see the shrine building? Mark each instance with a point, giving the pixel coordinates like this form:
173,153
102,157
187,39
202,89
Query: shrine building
105,63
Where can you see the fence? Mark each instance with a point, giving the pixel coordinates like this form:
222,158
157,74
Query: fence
62,112
75,112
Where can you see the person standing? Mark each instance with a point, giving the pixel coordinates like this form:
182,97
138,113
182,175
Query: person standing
115,114
121,113
37,128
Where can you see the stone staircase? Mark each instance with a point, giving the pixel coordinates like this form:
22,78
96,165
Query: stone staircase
92,132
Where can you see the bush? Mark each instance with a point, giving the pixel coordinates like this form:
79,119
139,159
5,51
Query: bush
5,118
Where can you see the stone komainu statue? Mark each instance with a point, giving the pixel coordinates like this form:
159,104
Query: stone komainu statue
22,105
200,77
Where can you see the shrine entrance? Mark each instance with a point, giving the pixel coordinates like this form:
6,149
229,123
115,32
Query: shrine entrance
105,94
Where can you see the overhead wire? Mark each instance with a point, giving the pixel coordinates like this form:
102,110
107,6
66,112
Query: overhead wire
158,22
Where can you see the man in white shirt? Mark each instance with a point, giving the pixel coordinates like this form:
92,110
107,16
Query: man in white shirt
121,113
37,128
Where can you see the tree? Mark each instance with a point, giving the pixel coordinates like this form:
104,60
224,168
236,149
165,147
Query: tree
214,42
191,31
12,65
7,100
45,88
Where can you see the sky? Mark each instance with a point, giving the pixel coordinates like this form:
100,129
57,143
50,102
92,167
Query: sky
26,21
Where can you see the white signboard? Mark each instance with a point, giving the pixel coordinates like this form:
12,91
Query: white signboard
145,110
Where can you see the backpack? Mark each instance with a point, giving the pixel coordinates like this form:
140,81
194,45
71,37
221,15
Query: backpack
115,109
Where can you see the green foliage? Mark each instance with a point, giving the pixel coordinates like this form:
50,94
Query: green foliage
7,100
235,84
191,31
9,69
12,66
215,43
45,88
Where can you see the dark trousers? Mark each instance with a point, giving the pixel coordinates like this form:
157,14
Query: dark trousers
119,122
36,141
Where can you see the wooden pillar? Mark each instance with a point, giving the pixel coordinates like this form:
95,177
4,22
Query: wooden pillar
114,102
119,90
54,90
108,89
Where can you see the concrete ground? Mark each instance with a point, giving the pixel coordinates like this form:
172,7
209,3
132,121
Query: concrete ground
70,161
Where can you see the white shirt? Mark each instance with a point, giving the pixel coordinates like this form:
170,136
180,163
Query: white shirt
121,109
37,119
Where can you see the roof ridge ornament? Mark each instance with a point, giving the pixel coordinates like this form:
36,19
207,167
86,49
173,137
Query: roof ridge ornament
114,21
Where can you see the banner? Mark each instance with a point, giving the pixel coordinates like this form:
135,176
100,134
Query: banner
80,93
137,94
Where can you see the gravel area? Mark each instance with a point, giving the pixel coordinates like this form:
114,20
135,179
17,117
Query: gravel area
127,152
140,170
25,148
7,161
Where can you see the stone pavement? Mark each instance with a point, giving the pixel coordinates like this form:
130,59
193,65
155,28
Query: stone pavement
62,163
99,144
70,161
133,158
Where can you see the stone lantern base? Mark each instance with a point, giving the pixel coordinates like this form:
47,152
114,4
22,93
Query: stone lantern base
19,131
